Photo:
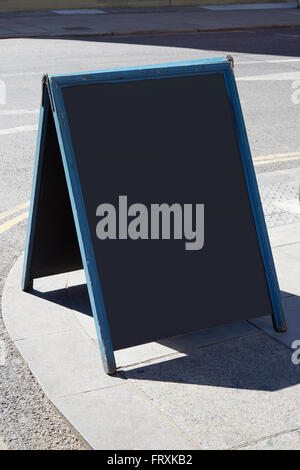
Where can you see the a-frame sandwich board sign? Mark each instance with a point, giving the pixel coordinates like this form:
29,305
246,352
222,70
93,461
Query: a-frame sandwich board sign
144,177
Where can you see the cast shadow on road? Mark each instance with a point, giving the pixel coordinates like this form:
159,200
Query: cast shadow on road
251,362
275,42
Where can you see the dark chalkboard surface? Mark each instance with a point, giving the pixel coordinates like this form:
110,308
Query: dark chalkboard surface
156,136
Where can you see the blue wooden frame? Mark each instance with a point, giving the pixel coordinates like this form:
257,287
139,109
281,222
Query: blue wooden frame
55,84
27,281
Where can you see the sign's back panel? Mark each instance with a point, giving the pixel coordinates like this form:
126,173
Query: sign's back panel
168,140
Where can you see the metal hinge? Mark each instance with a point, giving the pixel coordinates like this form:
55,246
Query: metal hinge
45,82
231,60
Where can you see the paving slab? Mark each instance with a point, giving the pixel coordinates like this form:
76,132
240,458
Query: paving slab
120,419
291,250
292,311
65,363
230,394
35,315
182,343
145,352
233,386
288,441
287,267
56,337
284,235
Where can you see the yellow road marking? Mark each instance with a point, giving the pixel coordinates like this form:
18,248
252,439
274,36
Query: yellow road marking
276,155
261,160
10,223
268,162
276,158
16,130
5,214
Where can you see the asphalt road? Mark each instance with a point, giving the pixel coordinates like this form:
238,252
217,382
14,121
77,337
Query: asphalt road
267,67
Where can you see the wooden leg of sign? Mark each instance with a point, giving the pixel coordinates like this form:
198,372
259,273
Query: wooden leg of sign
279,323
27,285
111,368
102,330
27,281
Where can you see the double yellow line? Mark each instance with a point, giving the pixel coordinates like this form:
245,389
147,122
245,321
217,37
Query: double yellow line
276,158
261,160
15,220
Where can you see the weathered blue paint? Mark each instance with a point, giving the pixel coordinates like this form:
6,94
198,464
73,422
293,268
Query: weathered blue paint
83,232
170,69
255,201
27,281
55,85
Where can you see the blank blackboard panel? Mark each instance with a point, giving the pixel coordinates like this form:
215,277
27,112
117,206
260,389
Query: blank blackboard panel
56,248
168,140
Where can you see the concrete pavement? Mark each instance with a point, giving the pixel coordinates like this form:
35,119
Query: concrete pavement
143,21
266,65
224,388
2,445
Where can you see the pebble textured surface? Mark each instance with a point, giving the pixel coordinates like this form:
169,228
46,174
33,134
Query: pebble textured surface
271,195
28,421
